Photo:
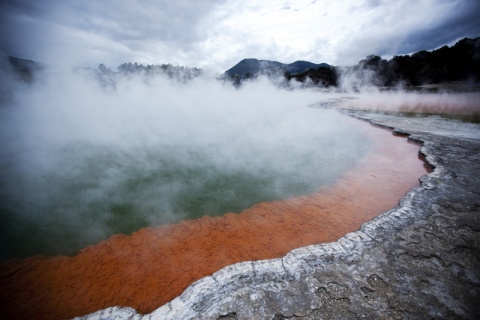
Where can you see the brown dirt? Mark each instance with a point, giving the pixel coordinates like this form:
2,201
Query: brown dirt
154,265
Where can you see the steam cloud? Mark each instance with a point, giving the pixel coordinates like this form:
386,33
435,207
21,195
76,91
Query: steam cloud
80,162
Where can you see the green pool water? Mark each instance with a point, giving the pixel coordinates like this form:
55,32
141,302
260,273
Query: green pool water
89,191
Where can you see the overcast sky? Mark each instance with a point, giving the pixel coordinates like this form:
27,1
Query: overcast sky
216,34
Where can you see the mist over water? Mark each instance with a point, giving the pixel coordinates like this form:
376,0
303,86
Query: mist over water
80,162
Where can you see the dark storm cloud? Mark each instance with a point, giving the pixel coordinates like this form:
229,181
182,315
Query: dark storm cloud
30,28
15,38
464,21
403,27
220,33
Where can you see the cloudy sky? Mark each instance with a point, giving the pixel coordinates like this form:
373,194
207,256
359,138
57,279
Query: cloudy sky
216,34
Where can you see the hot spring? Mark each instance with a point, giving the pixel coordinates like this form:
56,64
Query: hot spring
80,162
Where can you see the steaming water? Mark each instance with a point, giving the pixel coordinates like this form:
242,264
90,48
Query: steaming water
80,163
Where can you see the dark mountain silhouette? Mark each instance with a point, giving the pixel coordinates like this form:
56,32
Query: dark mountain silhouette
252,68
248,68
302,66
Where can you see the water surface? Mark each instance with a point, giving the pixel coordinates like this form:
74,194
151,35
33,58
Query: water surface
80,192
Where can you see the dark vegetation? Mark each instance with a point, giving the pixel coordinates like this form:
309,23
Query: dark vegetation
459,63
322,76
26,71
446,65
173,72
107,77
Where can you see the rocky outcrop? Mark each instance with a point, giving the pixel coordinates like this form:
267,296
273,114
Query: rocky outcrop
418,260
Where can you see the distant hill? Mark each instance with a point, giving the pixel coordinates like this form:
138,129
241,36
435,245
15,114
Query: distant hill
302,66
248,68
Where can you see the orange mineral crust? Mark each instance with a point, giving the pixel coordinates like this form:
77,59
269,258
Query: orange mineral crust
154,265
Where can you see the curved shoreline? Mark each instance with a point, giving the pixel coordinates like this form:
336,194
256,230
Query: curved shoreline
420,259
236,237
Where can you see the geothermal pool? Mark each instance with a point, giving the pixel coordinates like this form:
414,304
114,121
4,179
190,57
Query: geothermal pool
133,194
90,191
154,265
80,162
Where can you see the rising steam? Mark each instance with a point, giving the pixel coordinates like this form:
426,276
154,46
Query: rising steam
83,157
81,161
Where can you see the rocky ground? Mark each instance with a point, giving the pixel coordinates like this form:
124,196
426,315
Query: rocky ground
420,260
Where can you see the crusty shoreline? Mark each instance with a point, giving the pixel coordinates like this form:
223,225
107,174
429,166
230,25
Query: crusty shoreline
418,260
155,265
